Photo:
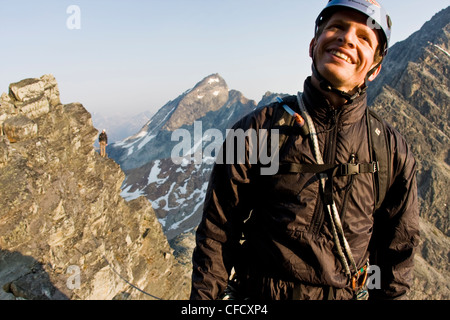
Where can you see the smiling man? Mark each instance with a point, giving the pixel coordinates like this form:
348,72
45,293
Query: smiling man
345,51
348,47
344,200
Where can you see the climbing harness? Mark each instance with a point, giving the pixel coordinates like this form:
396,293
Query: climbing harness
359,283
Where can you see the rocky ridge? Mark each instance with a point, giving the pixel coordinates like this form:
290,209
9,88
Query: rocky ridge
65,231
413,94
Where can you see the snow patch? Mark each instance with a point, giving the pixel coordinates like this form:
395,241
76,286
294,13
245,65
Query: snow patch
213,80
146,140
130,151
128,196
154,172
182,189
442,49
156,203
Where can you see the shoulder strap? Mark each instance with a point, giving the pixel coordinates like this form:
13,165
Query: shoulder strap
380,151
282,120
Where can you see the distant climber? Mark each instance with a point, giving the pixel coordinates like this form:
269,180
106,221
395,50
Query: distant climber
103,140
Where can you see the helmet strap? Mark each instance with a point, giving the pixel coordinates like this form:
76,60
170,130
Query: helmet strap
327,86
372,71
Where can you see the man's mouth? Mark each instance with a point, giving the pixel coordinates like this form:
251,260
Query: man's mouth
341,55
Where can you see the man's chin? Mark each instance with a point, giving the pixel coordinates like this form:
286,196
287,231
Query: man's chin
337,81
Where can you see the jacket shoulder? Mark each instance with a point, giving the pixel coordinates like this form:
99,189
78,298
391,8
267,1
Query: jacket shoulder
266,114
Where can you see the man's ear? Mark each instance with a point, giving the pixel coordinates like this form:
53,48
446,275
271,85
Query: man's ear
375,74
311,47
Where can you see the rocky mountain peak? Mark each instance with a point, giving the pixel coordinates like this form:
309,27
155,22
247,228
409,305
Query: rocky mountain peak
210,94
209,101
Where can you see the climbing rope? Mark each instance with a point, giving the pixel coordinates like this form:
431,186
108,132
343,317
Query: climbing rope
336,225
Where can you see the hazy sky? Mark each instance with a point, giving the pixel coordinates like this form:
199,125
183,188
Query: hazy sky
135,55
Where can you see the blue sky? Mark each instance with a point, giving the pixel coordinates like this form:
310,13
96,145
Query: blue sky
135,55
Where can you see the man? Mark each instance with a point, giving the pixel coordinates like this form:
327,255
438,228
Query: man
309,235
103,140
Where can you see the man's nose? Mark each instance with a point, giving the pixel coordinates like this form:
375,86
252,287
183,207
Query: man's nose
347,37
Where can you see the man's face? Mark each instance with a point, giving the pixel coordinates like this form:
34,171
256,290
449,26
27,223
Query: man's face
345,50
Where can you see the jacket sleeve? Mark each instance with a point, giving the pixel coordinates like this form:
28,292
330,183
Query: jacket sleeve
227,204
396,226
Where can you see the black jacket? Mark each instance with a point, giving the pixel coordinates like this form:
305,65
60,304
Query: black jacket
288,238
103,137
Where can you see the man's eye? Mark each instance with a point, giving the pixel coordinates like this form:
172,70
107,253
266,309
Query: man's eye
364,38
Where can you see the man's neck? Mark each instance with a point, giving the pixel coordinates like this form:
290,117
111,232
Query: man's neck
335,100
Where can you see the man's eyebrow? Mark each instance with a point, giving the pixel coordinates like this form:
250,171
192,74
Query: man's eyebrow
337,20
345,22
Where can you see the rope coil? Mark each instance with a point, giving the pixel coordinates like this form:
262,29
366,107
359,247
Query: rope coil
336,225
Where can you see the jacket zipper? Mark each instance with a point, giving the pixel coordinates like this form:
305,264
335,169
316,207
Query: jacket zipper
329,157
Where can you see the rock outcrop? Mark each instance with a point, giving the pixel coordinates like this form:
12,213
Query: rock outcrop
65,231
413,94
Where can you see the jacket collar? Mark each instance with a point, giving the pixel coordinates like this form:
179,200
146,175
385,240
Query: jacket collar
320,108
